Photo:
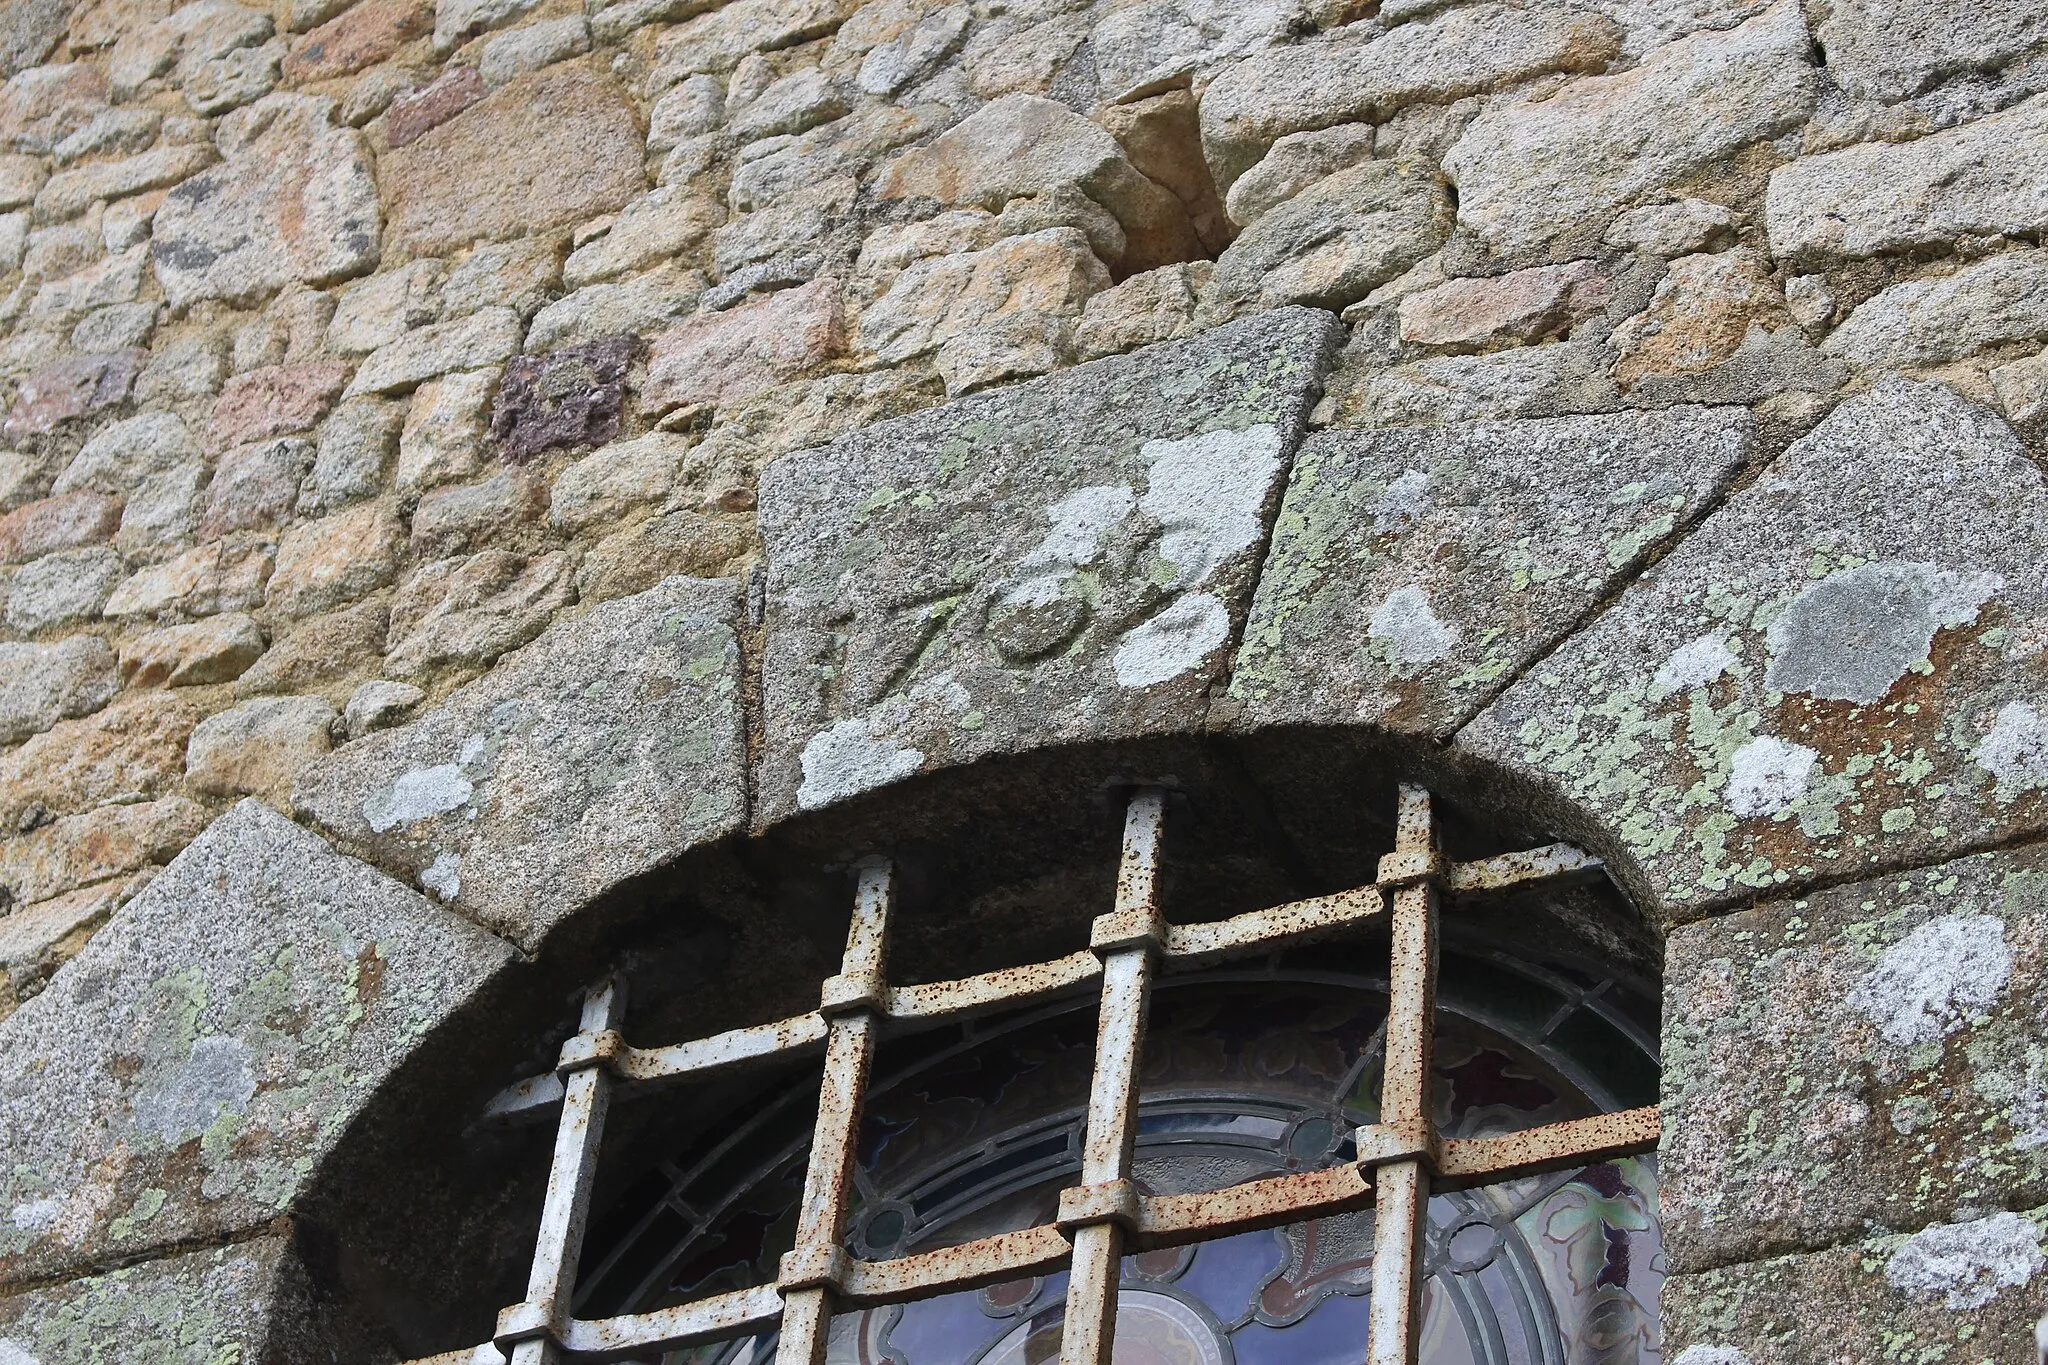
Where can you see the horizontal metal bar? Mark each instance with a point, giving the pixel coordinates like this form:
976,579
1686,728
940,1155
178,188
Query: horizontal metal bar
1555,1146
1003,989
990,1260
737,1313
1176,1219
1502,871
738,1047
1263,930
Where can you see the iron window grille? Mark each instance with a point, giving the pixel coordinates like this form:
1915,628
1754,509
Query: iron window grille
1400,1161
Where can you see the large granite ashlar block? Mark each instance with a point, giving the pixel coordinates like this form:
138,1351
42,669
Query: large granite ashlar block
1065,560
1415,571
612,743
1845,668
181,1079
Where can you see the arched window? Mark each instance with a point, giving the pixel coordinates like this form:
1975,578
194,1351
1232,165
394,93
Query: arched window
1297,1134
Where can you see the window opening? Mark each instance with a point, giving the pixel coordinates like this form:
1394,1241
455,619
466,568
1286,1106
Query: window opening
1393,1165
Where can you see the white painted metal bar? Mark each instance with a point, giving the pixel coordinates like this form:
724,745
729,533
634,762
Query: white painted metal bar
533,1330
1401,1195
814,1270
1129,937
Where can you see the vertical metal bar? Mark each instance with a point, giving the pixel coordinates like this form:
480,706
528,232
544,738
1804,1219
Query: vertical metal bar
1401,1196
854,995
586,1098
1132,934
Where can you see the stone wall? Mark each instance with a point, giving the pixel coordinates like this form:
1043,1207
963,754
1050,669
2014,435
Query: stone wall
465,427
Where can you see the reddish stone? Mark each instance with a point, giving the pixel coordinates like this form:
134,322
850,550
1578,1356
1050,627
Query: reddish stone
416,111
60,523
569,397
723,357
358,37
71,388
275,400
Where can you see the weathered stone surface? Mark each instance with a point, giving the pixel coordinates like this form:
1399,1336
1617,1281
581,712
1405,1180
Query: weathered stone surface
1255,103
64,522
602,486
353,455
295,202
185,1074
1816,1051
1961,1291
643,303
470,516
70,193
1066,559
1701,314
1292,164
718,41
1542,179
133,749
123,454
1835,671
694,544
946,300
1023,146
337,559
111,841
1157,305
205,579
31,29
470,611
257,747
443,436
38,938
1680,228
216,650
379,705
250,1301
73,387
520,275
1927,322
488,336
58,589
606,747
380,310
722,357
552,148
275,400
569,397
1987,177
313,654
256,485
1412,570
1334,242
43,684
513,54
1893,49
1146,48
656,227
433,104
361,35
1519,307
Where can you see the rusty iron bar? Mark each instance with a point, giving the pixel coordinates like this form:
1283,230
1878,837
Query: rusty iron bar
531,1332
1128,937
1401,1187
1531,866
988,1260
813,1271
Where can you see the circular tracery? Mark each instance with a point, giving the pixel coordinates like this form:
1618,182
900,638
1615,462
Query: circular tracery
1247,1074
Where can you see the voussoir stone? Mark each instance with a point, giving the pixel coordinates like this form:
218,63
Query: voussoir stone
1066,559
1986,178
553,147
182,1078
1282,90
1415,569
1816,1050
609,745
294,203
1541,179
252,1301
1835,672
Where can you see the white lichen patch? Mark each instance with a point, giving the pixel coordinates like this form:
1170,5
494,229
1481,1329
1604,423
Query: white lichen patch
1408,633
14,1353
1712,1355
1935,979
1852,635
849,759
1079,522
1767,775
217,1077
1696,664
443,876
1174,642
1967,1265
2015,750
1206,492
36,1214
1405,502
418,795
